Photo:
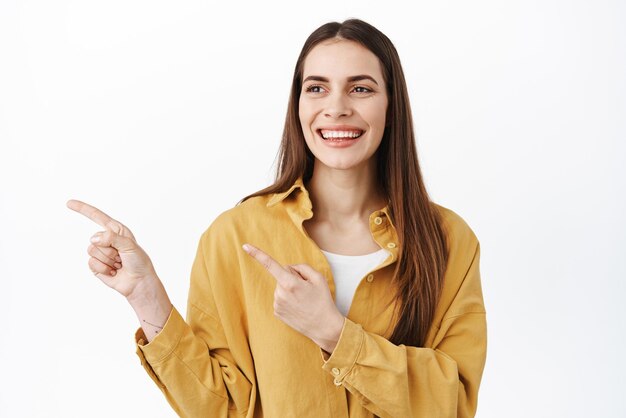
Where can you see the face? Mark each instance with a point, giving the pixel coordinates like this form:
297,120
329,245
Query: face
343,104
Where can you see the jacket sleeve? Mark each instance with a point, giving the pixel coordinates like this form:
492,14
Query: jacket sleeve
191,361
403,381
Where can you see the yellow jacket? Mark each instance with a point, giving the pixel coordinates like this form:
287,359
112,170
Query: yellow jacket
233,358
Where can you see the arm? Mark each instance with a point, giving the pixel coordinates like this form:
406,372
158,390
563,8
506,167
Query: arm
151,305
191,361
440,380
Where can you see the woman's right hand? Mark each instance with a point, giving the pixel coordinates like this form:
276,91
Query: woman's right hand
116,258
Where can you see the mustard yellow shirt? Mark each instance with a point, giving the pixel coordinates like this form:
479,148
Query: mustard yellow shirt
233,358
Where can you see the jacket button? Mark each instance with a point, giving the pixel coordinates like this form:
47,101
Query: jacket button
335,371
391,245
378,220
370,278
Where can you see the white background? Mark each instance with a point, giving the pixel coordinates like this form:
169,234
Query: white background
165,114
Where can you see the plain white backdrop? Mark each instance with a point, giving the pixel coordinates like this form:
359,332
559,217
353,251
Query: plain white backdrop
165,114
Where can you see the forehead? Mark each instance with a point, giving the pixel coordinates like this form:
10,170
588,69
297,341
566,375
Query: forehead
341,59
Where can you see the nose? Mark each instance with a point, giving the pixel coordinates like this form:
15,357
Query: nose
337,105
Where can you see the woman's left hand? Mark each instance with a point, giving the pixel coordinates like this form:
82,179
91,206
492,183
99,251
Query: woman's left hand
302,300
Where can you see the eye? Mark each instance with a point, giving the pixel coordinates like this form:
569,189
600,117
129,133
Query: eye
314,88
317,89
362,89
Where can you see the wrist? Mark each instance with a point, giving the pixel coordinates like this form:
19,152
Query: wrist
331,337
148,292
151,305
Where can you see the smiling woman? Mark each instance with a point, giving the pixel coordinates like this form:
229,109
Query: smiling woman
358,295
350,87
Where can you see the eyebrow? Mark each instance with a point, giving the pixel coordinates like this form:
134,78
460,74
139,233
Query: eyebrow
350,79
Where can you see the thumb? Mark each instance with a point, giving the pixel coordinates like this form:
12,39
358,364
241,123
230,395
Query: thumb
308,272
109,238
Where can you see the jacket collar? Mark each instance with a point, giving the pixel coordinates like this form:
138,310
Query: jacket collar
300,208
299,185
279,197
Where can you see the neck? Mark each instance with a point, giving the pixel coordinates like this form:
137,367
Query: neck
340,196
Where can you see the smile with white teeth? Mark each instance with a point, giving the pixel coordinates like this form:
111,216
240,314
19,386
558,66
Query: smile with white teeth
329,134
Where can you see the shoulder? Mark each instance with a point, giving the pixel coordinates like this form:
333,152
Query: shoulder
244,216
461,237
462,291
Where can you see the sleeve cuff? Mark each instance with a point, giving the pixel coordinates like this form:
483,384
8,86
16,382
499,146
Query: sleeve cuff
343,358
161,346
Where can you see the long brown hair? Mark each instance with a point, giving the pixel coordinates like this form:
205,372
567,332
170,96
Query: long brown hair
423,251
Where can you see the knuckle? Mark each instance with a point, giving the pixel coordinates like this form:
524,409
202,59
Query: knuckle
92,265
104,237
277,308
126,233
114,226
98,266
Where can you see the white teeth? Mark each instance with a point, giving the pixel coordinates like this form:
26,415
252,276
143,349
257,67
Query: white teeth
340,134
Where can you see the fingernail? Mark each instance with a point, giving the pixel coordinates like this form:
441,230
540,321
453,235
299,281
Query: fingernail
247,248
117,265
118,258
95,238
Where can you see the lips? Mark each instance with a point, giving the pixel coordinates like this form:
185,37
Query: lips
339,133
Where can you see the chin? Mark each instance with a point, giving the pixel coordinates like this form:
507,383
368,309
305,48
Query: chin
339,163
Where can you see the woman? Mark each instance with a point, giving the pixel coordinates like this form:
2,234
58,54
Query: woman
357,297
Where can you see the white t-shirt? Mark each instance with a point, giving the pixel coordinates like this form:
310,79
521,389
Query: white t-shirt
348,271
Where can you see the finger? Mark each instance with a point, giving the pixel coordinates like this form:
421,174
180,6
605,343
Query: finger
97,267
109,238
307,272
283,276
95,215
295,272
101,255
110,252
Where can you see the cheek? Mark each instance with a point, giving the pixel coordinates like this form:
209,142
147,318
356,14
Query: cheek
376,120
304,112
305,122
376,117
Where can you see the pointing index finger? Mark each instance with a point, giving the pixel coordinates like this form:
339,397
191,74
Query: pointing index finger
273,266
90,212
